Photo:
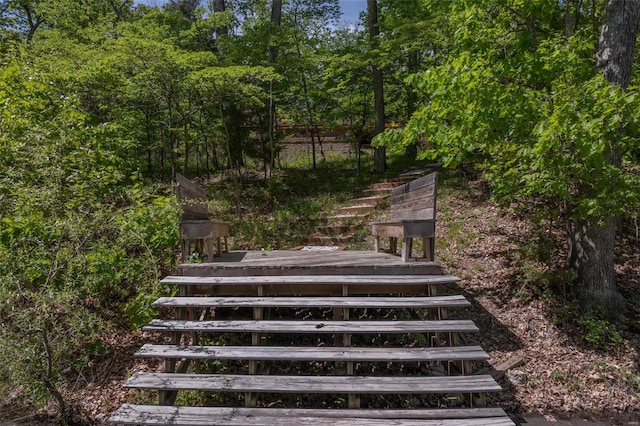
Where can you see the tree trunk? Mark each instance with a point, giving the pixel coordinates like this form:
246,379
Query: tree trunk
219,6
411,151
187,149
592,258
379,154
592,241
276,20
571,17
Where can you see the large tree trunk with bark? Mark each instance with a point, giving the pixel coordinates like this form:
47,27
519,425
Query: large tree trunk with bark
379,155
592,258
592,242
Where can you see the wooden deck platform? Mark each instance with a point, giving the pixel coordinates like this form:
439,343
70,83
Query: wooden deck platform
298,262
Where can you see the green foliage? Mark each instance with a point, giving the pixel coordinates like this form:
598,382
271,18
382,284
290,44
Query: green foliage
518,97
285,216
80,234
572,159
600,333
567,378
523,103
632,379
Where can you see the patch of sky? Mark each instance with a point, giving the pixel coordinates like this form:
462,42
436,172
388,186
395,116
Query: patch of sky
350,9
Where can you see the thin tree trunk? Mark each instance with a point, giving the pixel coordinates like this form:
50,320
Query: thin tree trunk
219,6
592,241
173,144
411,151
276,19
187,149
311,126
571,17
379,154
49,380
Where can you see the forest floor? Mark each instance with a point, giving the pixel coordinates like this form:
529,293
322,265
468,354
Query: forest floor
510,270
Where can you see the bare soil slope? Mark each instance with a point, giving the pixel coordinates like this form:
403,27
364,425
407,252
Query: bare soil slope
522,302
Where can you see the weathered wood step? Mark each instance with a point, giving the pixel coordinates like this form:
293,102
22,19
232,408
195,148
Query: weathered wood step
361,208
316,327
129,414
374,199
314,384
299,262
310,354
336,229
377,192
315,302
348,217
327,240
342,285
387,281
386,185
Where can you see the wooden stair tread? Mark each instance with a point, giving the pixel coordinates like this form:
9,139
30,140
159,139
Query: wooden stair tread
384,280
232,416
315,327
316,301
348,216
373,199
328,239
362,208
377,192
320,354
336,229
314,384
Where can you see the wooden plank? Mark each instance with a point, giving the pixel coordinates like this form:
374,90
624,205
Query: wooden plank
353,280
425,196
196,229
314,384
404,229
388,229
313,327
309,290
323,353
422,228
188,189
499,370
390,413
405,212
374,199
230,416
315,302
297,262
428,180
206,228
192,199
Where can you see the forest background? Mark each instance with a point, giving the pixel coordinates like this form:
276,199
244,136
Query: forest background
105,100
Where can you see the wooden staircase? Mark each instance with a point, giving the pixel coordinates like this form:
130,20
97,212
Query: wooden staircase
341,225
299,335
